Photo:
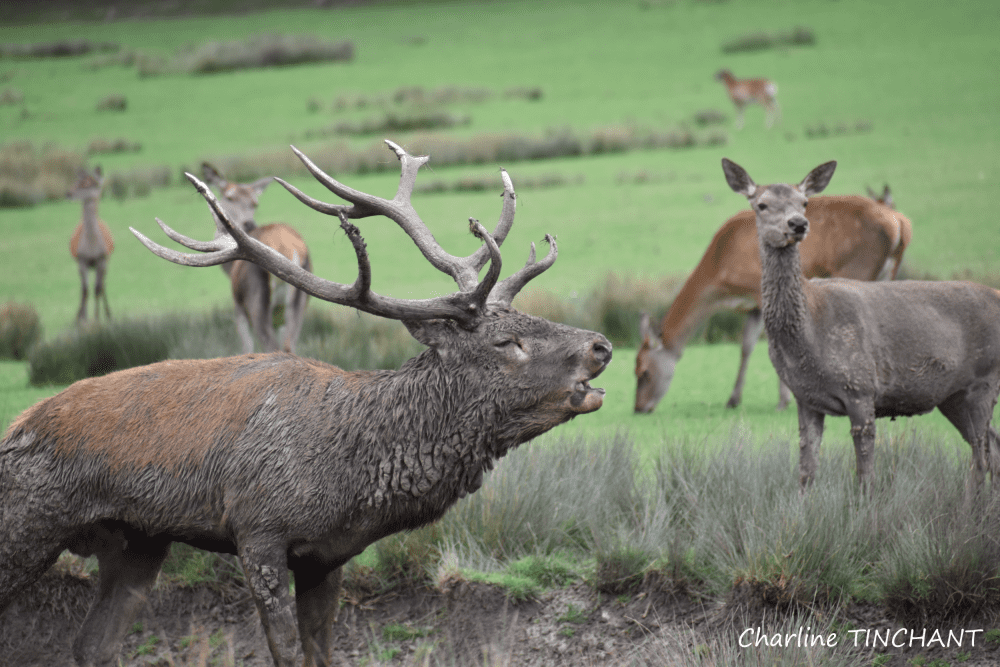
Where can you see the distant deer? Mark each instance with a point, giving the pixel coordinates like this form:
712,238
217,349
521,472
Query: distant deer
749,91
254,289
868,350
851,237
91,244
289,463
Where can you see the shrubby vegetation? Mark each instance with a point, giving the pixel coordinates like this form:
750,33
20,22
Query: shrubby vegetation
20,329
758,41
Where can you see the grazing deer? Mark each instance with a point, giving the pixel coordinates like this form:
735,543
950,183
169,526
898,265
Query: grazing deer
289,463
850,237
253,287
749,91
91,244
868,350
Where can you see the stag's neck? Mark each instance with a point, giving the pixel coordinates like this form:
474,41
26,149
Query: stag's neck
783,295
426,434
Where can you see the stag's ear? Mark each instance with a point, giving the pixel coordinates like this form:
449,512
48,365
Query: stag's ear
817,179
432,333
737,177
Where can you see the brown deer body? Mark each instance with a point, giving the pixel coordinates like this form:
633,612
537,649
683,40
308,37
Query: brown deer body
254,289
851,237
91,244
289,463
869,350
743,92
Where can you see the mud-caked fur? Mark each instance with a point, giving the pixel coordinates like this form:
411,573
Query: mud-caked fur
289,463
868,350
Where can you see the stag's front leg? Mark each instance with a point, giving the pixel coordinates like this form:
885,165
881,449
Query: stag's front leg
810,437
266,570
317,599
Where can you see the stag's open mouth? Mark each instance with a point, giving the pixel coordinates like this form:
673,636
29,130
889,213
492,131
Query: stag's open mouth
586,398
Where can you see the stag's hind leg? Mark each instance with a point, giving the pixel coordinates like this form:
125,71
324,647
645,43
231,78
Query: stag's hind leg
317,598
128,565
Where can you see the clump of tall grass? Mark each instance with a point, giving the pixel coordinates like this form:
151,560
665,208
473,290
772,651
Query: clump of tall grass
759,41
821,130
55,49
119,145
115,102
11,97
136,182
20,329
340,157
484,183
29,174
421,96
391,122
263,50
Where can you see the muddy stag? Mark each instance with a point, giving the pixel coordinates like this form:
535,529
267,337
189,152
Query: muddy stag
868,350
289,463
91,244
749,91
850,237
255,291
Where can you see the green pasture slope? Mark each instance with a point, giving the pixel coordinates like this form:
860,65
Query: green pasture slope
917,78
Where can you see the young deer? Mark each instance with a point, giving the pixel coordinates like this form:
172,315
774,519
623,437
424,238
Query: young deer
850,237
749,91
289,463
255,291
91,244
869,350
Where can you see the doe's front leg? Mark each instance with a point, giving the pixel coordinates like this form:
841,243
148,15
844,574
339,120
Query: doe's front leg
810,437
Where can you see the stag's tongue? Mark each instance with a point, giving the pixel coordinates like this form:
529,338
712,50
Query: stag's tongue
586,398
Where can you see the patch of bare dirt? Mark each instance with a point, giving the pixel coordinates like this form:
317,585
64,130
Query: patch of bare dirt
467,624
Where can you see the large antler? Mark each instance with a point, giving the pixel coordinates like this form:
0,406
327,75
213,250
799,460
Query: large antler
465,306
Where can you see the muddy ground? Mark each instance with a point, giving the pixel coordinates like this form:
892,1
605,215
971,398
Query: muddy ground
466,624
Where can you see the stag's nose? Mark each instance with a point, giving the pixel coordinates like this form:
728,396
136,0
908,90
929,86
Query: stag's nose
798,225
601,351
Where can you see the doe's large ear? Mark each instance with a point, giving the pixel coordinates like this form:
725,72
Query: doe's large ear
211,175
817,179
260,184
737,177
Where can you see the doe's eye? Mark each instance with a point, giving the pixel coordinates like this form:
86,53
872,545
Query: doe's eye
762,206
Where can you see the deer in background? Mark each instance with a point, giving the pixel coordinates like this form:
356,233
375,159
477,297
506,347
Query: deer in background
869,350
255,291
749,91
290,463
91,244
851,237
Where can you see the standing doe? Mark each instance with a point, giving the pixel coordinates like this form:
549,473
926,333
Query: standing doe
289,463
91,244
254,289
850,237
868,350
749,91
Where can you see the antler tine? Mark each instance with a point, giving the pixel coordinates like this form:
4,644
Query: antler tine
219,256
235,243
508,288
481,256
482,292
464,271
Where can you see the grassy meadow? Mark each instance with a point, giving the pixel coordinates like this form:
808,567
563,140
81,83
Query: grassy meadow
897,92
